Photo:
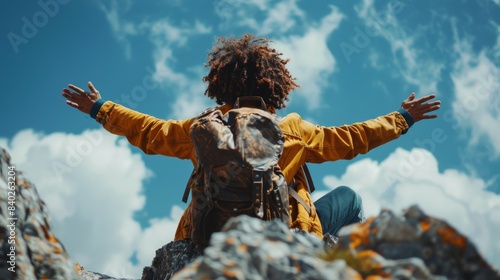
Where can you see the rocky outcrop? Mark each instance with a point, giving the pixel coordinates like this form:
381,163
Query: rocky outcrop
250,248
408,246
177,254
29,249
416,238
171,258
89,275
411,246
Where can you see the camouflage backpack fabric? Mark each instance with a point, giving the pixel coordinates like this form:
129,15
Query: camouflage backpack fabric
237,168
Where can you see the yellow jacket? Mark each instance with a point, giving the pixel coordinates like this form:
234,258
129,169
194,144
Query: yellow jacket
304,142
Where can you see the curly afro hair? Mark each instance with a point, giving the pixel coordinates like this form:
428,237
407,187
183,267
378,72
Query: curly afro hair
247,66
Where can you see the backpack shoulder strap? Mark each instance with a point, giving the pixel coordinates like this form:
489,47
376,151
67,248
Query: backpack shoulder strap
186,194
310,187
297,197
188,187
310,183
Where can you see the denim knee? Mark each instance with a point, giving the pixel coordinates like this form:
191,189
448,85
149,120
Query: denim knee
340,207
350,195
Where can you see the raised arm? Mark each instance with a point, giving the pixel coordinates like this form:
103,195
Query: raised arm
150,134
80,99
419,108
347,141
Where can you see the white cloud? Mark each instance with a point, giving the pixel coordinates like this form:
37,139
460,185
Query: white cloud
167,38
496,47
239,13
92,185
261,16
186,84
476,104
412,177
311,59
121,28
413,64
281,18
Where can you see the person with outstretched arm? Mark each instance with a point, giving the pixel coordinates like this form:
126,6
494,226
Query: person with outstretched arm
248,66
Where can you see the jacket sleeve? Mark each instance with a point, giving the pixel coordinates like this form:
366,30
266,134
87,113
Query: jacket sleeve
151,135
347,141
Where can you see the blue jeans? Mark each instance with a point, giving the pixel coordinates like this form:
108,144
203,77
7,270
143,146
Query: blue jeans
340,207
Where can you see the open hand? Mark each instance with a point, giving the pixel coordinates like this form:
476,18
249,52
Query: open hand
418,108
80,99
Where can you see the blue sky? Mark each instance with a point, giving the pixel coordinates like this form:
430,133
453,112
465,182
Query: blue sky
113,206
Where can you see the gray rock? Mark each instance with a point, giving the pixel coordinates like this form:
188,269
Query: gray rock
409,246
89,275
441,248
249,248
37,253
171,258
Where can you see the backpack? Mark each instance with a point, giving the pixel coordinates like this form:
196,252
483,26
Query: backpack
237,168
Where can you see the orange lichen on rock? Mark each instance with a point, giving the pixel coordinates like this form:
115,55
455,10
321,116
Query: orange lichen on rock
367,254
232,271
229,273
369,263
425,225
230,241
78,268
364,262
451,236
57,250
243,248
360,235
52,239
375,277
25,184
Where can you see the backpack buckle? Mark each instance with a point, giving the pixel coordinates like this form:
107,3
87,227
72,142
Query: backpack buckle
258,188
